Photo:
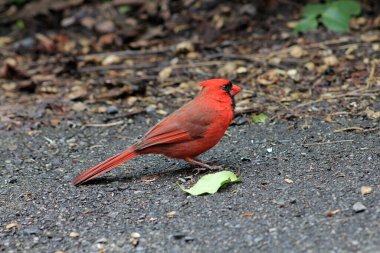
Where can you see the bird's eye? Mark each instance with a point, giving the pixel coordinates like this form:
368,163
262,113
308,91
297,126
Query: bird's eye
227,87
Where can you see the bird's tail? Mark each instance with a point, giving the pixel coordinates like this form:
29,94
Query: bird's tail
105,166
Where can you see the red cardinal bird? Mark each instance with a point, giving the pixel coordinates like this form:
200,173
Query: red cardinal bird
186,133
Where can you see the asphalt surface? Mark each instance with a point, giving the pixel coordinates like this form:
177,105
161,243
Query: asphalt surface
280,205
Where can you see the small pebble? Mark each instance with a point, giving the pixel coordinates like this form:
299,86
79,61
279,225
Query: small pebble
359,207
189,238
178,236
112,109
31,230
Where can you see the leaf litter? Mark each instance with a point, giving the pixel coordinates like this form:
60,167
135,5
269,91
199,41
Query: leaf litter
136,55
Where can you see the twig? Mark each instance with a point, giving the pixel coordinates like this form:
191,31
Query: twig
359,129
349,94
308,103
324,143
126,115
104,125
254,59
120,67
371,73
153,66
346,129
128,53
123,53
246,110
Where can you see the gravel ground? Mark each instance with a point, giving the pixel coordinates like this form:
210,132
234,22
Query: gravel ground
280,205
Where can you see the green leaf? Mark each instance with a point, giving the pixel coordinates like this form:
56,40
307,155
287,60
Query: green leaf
211,183
306,24
313,10
124,9
259,118
336,20
20,24
348,7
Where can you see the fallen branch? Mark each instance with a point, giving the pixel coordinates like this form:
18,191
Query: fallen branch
324,143
357,129
104,125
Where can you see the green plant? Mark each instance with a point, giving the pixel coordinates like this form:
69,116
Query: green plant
335,15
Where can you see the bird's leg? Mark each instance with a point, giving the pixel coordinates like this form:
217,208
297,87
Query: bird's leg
204,161
202,165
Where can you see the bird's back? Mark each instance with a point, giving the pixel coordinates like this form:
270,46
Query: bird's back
191,130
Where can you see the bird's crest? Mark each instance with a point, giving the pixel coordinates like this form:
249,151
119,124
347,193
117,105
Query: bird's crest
214,83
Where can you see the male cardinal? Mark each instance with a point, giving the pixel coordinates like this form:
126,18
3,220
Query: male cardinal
188,132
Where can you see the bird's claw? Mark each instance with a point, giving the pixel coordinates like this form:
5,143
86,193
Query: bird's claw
202,169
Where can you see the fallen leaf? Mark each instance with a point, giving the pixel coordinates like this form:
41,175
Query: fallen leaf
331,60
259,118
310,66
165,73
289,181
297,51
171,214
184,47
372,114
5,40
111,60
331,213
294,74
369,37
365,190
134,239
11,225
272,76
247,215
106,26
228,69
74,234
211,183
79,107
149,179
241,70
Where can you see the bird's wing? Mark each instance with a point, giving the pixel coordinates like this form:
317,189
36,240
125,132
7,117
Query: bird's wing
174,136
188,123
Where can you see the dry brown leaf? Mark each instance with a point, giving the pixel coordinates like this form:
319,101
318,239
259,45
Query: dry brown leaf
372,114
331,213
5,40
111,60
79,107
289,181
78,91
297,51
310,66
294,74
247,215
364,190
165,73
11,225
184,47
228,69
369,37
74,234
149,179
331,60
272,76
171,214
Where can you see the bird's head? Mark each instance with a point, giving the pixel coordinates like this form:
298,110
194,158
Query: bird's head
220,86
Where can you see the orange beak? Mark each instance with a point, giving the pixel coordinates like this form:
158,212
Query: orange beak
235,90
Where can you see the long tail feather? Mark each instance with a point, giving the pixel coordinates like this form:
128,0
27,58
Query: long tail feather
105,166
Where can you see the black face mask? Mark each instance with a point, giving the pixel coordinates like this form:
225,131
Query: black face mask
228,88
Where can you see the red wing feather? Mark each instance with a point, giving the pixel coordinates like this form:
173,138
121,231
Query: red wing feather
174,136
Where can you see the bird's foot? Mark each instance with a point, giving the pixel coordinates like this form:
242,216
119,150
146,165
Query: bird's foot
201,166
208,168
